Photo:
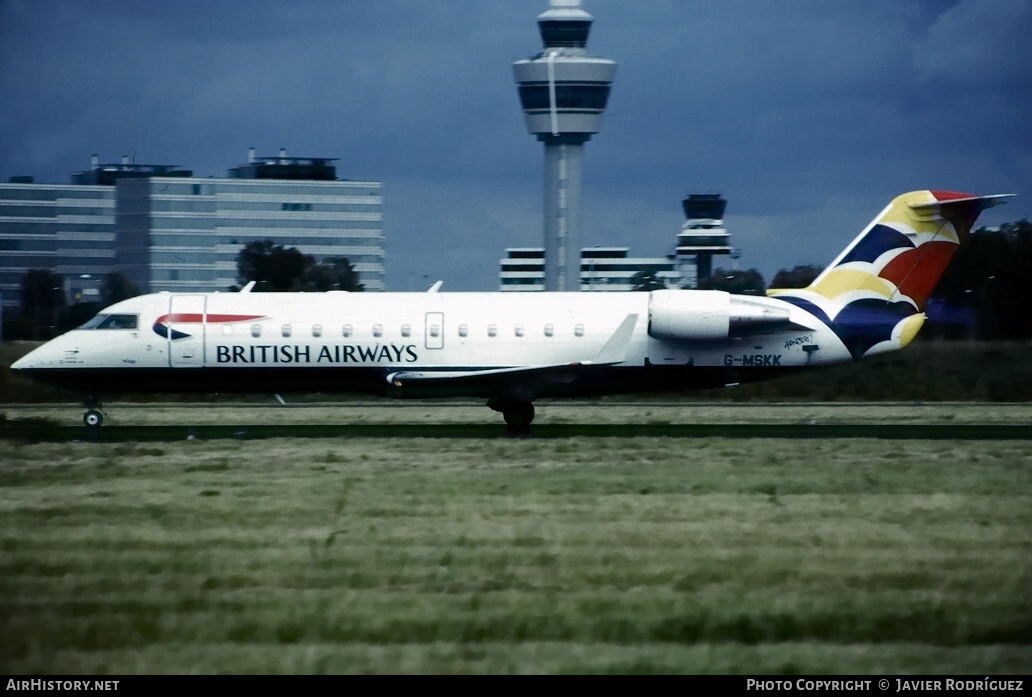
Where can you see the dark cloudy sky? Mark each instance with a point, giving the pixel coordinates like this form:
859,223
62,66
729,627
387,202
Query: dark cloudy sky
808,115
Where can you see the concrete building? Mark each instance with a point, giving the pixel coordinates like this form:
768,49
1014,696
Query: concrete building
601,269
702,236
563,92
67,228
184,235
168,230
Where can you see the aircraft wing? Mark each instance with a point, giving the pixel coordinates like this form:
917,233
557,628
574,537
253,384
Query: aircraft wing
614,352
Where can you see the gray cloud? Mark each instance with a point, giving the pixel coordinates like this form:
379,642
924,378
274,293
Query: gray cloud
807,115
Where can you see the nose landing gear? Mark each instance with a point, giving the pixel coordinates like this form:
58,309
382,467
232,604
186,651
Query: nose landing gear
93,417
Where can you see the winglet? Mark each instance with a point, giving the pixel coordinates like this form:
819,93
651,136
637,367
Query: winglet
615,350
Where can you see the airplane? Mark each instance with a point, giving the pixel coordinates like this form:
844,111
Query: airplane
513,348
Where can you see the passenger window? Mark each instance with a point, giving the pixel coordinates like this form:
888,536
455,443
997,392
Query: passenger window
406,330
492,330
549,330
377,330
519,330
317,330
435,330
578,330
463,330
256,330
347,330
286,330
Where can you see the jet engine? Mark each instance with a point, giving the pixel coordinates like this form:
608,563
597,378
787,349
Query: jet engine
689,315
710,315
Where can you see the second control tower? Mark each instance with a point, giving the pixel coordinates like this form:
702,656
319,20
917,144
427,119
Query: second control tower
563,92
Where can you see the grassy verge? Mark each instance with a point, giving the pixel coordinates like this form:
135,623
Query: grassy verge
579,555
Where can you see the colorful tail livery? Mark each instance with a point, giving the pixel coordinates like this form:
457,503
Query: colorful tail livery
873,294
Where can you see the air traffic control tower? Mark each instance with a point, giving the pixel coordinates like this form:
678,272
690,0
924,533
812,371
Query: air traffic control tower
702,236
563,92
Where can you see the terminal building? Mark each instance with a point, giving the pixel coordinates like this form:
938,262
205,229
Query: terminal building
66,228
184,234
601,269
168,230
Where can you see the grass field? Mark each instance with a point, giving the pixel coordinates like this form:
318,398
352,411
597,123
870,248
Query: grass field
632,555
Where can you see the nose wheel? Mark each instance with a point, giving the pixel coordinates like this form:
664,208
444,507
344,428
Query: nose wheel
93,417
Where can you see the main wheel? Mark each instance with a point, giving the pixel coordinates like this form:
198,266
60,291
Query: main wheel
518,416
93,418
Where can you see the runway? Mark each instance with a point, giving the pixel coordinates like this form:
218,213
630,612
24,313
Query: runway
556,420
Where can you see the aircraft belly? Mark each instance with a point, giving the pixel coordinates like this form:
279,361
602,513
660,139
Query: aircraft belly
240,380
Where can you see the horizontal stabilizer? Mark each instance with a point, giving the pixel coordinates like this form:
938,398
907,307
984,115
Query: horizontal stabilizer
980,203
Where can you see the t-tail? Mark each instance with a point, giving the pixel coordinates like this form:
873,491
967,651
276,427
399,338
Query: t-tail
873,295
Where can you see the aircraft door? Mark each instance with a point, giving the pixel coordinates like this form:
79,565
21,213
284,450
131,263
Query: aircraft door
434,330
186,324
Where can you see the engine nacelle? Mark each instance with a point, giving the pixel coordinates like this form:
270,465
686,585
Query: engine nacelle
690,315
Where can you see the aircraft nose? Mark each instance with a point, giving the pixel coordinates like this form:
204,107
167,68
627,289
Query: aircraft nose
26,362
39,357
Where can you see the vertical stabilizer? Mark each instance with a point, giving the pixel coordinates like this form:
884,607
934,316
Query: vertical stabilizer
874,293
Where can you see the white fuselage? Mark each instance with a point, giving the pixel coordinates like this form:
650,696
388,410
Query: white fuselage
190,342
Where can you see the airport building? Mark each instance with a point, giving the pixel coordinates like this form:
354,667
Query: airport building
184,235
702,237
601,269
39,221
168,230
563,91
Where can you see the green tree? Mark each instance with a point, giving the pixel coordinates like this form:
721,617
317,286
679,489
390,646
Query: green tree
738,282
76,315
115,288
646,281
42,299
333,273
276,268
990,274
271,266
796,277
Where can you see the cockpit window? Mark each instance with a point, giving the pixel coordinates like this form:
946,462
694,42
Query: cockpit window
112,322
92,324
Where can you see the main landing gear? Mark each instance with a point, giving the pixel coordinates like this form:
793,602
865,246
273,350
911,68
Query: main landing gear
517,413
93,417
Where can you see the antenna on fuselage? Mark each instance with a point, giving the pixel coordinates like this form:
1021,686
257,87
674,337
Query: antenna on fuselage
248,287
435,288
